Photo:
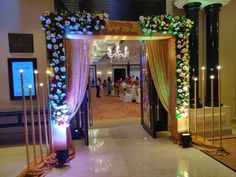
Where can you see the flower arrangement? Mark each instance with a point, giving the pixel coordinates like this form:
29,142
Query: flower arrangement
179,26
56,25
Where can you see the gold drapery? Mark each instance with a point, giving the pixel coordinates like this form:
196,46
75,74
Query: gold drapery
158,60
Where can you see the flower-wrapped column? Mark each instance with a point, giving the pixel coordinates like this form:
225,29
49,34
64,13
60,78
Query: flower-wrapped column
178,26
56,26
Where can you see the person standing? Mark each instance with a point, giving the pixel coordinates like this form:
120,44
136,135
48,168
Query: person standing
98,87
109,85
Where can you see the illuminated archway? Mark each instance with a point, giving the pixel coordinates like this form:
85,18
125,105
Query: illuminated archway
57,26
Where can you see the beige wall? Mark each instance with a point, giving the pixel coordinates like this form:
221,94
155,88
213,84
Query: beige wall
227,49
21,16
227,54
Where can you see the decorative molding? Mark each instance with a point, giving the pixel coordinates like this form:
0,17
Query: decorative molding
180,3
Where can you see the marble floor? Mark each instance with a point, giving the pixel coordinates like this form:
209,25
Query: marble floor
125,152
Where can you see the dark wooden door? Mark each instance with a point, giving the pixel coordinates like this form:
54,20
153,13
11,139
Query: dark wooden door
119,73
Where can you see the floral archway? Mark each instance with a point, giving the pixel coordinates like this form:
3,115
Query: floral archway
180,27
57,25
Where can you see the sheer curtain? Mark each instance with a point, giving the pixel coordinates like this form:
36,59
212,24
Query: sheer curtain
77,53
158,60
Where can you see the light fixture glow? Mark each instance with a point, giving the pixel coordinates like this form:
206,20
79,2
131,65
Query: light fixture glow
30,86
21,70
99,73
212,77
118,55
41,84
203,67
48,72
35,71
195,79
218,67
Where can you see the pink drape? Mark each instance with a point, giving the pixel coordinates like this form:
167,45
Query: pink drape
77,52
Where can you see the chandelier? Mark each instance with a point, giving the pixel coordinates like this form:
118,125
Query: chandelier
118,55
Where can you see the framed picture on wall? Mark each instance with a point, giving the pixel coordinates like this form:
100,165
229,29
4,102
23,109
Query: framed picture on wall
14,66
19,43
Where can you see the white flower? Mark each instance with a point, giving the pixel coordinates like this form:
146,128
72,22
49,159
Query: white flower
185,88
62,58
55,97
64,87
102,27
63,69
48,37
76,27
185,103
106,15
84,30
54,40
73,19
178,80
182,74
141,18
89,32
61,26
97,22
48,21
42,18
59,84
180,90
49,46
89,20
57,77
55,54
57,61
163,23
67,23
185,68
60,45
59,36
46,13
179,70
58,91
55,47
96,27
56,69
179,46
178,56
53,85
71,27
180,35
52,35
88,15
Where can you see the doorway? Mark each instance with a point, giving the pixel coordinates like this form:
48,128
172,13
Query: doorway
119,73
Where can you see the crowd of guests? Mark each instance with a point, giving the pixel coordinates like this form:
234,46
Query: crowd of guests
128,89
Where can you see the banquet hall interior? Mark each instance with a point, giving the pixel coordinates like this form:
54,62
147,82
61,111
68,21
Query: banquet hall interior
129,117
123,69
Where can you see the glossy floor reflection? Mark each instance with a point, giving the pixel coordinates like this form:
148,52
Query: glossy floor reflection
124,152
131,152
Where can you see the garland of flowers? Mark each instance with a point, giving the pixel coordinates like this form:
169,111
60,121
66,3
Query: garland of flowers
180,27
56,25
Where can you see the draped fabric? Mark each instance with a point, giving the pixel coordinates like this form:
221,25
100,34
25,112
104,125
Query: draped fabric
77,53
158,60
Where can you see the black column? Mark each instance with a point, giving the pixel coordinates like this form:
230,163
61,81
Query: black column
212,49
192,12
